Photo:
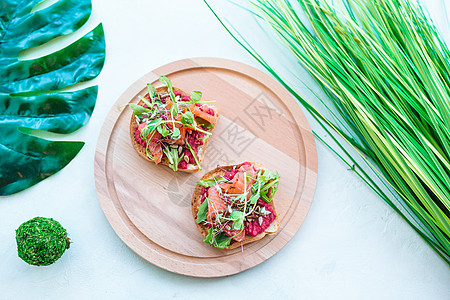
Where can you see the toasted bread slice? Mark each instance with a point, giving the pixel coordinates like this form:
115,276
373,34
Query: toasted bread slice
141,150
196,201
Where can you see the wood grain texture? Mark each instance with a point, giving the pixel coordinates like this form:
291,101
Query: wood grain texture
148,206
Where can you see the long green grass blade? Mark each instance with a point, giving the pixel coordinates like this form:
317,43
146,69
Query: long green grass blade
385,70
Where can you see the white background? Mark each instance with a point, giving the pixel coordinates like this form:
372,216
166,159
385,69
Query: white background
351,245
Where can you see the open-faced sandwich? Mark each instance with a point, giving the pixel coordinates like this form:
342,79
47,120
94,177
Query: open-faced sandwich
233,205
171,127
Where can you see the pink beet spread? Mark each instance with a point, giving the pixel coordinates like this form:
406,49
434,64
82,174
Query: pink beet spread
195,139
203,193
229,175
137,137
253,228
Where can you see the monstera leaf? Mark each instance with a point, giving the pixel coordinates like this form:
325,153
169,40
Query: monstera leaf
30,90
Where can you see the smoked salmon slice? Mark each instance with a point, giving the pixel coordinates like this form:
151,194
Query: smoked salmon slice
156,150
154,145
237,184
239,237
201,114
216,204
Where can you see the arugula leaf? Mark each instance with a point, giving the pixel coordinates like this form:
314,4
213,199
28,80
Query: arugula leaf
145,101
194,155
188,118
151,91
145,132
174,110
220,241
254,197
268,175
168,154
163,130
238,219
211,181
166,81
138,110
202,210
265,182
210,236
271,186
173,157
196,96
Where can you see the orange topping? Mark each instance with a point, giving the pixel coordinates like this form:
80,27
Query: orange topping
216,204
201,114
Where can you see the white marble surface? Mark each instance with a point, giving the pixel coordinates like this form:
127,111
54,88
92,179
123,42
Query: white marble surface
351,246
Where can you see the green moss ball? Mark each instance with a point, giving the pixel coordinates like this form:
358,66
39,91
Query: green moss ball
41,241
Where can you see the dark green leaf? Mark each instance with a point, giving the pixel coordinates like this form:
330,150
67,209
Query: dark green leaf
204,124
28,96
220,241
202,210
210,235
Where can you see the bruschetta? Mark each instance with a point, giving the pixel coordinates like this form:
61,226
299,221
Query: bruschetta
171,127
233,205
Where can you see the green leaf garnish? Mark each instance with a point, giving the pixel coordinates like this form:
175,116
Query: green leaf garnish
202,210
150,127
166,81
194,155
174,110
176,133
145,101
162,129
203,123
145,132
173,157
222,241
138,110
188,119
265,182
238,219
211,181
196,96
151,91
217,240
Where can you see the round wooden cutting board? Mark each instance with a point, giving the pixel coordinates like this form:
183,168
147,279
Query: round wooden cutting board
149,206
